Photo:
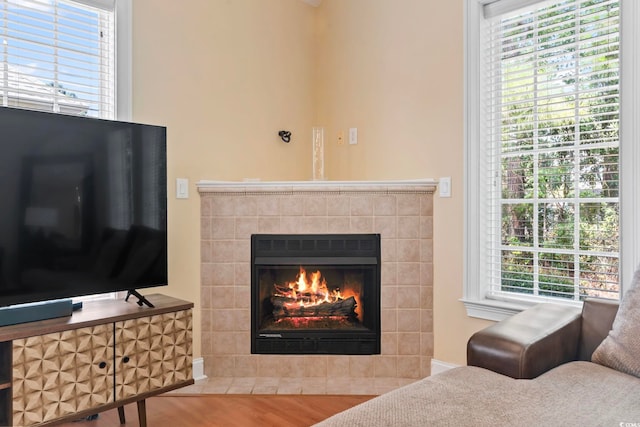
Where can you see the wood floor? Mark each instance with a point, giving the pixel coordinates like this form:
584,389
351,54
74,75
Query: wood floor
230,411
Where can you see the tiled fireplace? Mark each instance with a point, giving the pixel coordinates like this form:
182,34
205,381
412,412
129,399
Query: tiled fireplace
315,294
400,212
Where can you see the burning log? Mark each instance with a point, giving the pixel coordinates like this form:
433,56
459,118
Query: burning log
306,295
288,307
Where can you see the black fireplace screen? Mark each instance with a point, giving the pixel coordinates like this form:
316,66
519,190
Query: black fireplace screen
316,294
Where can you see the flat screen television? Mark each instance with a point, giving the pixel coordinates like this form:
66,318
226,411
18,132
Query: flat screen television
83,206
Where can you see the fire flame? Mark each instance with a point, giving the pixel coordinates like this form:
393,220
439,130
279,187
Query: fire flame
310,289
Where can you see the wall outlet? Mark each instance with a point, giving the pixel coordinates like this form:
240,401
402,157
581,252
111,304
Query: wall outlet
341,138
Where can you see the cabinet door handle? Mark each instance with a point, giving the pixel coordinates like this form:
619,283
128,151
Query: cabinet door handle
125,359
102,365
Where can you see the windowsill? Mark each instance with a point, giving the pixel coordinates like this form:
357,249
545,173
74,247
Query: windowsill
497,310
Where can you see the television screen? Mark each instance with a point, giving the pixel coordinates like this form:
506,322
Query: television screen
83,206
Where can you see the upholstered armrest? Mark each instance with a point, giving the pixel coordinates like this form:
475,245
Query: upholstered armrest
528,343
597,321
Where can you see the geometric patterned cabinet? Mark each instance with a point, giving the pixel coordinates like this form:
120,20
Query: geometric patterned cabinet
109,354
59,374
155,351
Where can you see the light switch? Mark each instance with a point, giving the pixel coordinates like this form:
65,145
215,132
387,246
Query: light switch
444,185
182,188
353,136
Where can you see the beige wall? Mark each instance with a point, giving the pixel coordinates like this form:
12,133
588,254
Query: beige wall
394,70
225,75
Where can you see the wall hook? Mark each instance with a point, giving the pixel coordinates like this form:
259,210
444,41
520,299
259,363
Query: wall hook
285,135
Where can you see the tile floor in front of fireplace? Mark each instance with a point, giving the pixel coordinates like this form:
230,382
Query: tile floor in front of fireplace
273,385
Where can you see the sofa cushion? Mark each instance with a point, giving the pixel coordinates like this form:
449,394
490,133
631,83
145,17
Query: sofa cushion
620,349
573,394
462,396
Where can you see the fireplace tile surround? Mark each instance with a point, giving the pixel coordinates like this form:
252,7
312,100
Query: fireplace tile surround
401,211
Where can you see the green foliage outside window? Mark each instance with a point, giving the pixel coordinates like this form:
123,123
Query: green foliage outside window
559,172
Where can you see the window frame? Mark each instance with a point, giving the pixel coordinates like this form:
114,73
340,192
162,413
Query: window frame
474,290
124,59
122,10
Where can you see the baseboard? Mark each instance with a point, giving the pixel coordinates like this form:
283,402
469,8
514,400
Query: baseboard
198,369
438,366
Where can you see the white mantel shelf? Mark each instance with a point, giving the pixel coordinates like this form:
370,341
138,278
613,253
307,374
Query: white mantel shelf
426,185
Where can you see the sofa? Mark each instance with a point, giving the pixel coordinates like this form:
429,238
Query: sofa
532,369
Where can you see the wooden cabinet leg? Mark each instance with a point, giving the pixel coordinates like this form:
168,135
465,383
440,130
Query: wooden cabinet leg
142,413
121,415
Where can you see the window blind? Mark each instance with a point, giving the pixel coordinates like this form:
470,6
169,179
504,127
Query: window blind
58,56
501,7
552,99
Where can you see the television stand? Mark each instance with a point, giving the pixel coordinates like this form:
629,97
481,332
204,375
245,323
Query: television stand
141,299
104,357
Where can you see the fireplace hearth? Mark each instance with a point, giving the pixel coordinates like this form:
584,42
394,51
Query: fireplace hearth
315,294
